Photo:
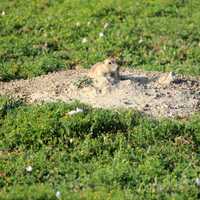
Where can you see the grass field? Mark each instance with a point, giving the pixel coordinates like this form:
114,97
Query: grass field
98,154
39,36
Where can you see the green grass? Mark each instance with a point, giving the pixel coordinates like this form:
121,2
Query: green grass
40,36
97,154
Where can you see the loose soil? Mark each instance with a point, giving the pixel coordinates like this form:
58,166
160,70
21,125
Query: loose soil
136,89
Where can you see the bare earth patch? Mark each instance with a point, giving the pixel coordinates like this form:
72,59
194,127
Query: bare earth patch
137,89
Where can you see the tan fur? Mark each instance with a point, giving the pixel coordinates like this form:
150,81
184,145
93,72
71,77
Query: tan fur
166,79
107,69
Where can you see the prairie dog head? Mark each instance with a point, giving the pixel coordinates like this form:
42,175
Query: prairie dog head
111,64
108,70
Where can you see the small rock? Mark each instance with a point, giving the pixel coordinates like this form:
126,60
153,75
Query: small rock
146,93
127,102
146,107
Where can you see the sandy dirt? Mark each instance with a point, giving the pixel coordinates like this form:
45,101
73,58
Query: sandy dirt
136,89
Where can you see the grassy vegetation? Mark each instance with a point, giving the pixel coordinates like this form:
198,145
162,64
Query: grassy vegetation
40,36
97,154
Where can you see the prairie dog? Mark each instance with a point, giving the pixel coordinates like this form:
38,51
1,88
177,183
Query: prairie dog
108,69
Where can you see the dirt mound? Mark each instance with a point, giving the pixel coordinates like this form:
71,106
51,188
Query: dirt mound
137,89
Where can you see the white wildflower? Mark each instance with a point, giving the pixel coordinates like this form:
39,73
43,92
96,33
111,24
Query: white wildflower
84,40
29,168
73,112
3,13
71,140
88,23
58,194
105,25
140,41
77,23
197,181
101,34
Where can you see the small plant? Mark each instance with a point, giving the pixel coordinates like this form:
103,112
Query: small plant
7,104
82,82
